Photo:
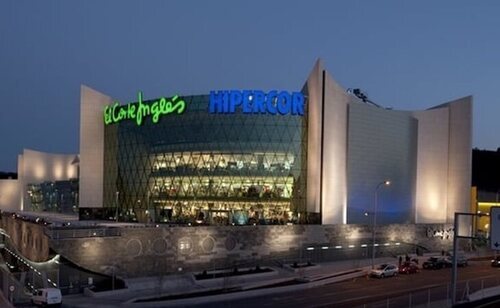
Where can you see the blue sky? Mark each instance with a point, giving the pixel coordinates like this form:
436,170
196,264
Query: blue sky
407,55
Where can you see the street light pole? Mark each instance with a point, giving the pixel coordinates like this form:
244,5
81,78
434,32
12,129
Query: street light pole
384,183
117,195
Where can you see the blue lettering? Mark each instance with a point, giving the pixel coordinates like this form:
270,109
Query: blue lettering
249,102
297,103
284,102
225,108
217,102
258,102
270,104
247,108
235,99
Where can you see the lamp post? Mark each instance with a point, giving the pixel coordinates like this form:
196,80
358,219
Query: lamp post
117,196
384,183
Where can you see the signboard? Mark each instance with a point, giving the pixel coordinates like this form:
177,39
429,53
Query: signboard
256,102
495,227
138,111
221,102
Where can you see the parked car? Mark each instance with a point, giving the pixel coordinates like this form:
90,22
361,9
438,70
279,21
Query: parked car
461,260
48,296
496,262
436,263
385,270
408,268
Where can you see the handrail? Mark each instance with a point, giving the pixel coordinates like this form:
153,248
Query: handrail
57,234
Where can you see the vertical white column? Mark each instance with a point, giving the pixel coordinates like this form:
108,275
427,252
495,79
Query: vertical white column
92,104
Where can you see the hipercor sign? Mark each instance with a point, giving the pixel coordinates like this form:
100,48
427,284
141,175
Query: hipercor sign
256,102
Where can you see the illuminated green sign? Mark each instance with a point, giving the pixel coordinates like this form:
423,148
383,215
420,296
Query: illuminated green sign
116,113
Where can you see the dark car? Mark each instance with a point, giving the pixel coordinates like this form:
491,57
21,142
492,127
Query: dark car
496,262
461,260
408,268
436,263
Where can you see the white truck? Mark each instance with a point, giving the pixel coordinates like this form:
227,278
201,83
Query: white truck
48,296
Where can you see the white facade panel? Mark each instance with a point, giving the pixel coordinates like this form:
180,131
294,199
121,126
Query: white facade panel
313,91
38,167
20,175
334,198
9,195
432,166
92,147
460,157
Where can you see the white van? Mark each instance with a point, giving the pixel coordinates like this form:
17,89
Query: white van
49,296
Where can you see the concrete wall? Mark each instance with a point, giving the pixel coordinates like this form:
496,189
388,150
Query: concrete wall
460,157
150,251
334,198
9,195
444,164
20,167
166,250
313,89
432,166
353,146
37,167
326,146
92,146
382,145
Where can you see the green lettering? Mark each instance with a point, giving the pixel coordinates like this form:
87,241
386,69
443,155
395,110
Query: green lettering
130,111
138,111
107,115
155,111
163,102
179,106
116,116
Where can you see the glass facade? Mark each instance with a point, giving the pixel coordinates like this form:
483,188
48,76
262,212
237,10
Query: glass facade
57,196
203,168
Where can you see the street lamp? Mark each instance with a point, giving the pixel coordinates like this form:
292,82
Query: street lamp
117,196
384,183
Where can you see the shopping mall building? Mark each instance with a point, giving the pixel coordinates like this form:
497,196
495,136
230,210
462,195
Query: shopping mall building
314,155
242,176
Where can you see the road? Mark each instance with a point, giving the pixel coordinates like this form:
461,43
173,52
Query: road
424,286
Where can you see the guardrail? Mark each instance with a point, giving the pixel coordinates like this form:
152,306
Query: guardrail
440,295
57,234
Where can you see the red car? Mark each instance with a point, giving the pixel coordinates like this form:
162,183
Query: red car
408,268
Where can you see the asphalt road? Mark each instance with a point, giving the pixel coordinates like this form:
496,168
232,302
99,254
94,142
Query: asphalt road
424,286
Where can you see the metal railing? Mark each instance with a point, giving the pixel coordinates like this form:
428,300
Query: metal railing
57,234
439,296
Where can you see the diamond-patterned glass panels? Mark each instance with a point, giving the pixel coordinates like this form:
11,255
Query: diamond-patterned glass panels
204,168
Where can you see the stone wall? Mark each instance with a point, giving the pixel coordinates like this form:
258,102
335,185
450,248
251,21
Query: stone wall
28,238
163,250
166,250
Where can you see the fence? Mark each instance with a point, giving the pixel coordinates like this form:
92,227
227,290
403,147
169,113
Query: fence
438,296
57,234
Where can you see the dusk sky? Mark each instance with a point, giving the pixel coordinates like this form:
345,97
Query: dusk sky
406,55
